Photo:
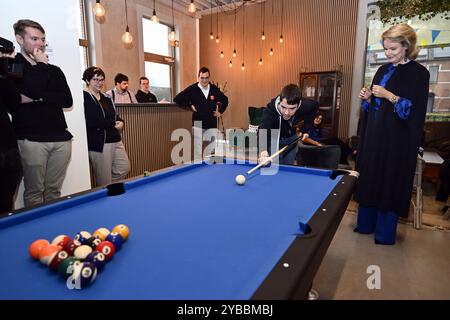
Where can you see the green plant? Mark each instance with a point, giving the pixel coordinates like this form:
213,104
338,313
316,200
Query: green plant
400,10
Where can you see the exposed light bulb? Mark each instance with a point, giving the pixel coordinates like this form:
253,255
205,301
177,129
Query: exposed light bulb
192,8
242,67
234,53
98,9
211,36
231,64
281,39
217,39
260,62
154,18
172,35
221,54
263,37
126,37
271,52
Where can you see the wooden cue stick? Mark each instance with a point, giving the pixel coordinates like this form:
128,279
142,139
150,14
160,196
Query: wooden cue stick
274,155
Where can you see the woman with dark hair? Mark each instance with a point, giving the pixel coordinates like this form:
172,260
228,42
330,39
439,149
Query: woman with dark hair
394,108
316,134
107,154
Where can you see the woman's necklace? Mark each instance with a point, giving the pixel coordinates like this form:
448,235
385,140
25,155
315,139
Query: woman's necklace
97,95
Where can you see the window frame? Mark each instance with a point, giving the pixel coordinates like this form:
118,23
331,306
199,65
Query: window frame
84,42
161,59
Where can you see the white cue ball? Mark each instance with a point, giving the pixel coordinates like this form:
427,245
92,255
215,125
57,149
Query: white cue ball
240,179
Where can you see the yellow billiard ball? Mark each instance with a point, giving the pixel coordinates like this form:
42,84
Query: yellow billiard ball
123,230
101,233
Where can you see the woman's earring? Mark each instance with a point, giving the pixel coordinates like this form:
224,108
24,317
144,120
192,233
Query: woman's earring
406,55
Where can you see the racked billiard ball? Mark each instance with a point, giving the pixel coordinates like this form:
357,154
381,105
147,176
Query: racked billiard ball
67,266
116,239
86,275
57,259
48,253
82,236
93,242
123,230
71,246
97,258
82,252
36,247
61,240
107,248
101,233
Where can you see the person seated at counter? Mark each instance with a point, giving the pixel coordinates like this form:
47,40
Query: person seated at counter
121,94
144,95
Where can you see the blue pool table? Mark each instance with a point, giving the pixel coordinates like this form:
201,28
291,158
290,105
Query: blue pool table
194,234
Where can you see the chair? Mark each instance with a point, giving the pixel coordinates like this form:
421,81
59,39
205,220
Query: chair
248,139
255,115
326,157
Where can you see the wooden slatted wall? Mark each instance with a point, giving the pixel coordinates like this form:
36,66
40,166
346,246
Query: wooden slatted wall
319,36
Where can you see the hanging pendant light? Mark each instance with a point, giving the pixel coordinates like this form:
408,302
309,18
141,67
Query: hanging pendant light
282,20
211,35
172,36
221,54
154,18
260,62
230,64
98,9
126,37
271,52
263,15
234,33
192,8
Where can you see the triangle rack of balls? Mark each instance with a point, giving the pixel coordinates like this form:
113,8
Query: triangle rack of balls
78,260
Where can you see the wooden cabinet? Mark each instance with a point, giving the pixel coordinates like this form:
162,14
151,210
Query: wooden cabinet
324,87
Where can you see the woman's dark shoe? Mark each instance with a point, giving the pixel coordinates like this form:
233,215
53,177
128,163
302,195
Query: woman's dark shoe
387,244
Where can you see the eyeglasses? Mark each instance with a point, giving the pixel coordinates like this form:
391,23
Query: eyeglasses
98,80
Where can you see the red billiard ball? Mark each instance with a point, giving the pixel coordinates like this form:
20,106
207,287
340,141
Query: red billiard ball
56,261
116,239
36,247
71,246
61,240
107,248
